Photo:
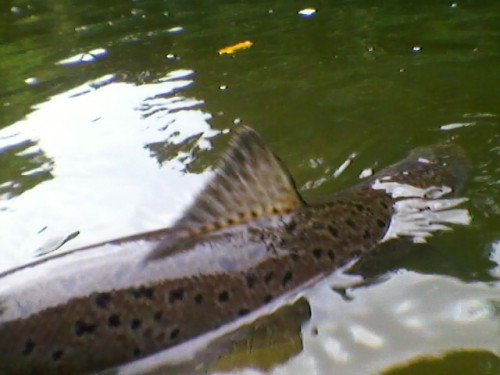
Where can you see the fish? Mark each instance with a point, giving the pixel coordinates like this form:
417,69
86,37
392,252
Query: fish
248,238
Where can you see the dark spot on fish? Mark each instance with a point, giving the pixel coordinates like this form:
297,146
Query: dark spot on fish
157,316
269,277
351,224
223,296
366,234
318,226
268,298
198,299
318,253
254,214
147,332
29,346
83,328
290,227
176,295
381,223
142,292
295,257
231,221
160,336
102,300
384,205
136,352
333,230
175,333
250,279
282,243
331,255
287,278
243,312
114,320
135,324
57,354
314,331
276,211
359,207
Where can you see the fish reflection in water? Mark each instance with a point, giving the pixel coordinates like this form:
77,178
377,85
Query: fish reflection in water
248,241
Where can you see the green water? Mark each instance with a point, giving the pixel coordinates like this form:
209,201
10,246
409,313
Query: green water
119,144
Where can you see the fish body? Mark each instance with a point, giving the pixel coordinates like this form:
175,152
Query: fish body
247,239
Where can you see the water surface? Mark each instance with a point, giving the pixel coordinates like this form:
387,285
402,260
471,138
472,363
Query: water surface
113,114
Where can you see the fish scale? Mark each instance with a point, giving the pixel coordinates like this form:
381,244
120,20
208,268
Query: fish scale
106,305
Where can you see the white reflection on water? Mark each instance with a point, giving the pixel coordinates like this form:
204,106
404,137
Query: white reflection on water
85,57
409,316
419,213
106,181
495,258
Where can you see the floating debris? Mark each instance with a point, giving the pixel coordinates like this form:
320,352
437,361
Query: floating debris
344,165
172,56
175,30
85,57
235,48
479,115
32,81
456,125
366,173
307,12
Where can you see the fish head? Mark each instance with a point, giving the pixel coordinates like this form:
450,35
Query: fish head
436,165
422,187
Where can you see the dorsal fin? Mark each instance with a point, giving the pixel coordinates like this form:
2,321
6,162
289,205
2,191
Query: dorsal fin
249,183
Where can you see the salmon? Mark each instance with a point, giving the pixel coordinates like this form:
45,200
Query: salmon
248,238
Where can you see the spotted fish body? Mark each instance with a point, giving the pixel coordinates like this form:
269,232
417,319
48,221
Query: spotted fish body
247,239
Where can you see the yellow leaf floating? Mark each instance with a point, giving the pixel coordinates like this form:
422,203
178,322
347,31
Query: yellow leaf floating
235,47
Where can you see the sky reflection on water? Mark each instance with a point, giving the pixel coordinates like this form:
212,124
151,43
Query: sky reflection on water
105,178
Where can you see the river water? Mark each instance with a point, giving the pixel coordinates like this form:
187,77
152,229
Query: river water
112,115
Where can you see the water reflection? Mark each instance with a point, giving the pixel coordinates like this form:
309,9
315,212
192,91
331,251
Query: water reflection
24,166
100,163
495,258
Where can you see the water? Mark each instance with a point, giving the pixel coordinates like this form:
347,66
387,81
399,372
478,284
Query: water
112,115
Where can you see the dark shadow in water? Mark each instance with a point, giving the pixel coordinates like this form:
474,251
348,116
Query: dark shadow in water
20,172
456,363
424,258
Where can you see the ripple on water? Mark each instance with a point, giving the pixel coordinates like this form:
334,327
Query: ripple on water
85,155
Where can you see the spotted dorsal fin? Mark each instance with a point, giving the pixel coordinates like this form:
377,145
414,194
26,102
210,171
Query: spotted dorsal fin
250,183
